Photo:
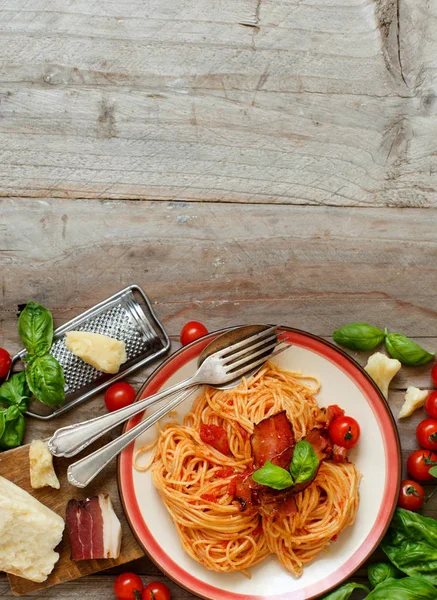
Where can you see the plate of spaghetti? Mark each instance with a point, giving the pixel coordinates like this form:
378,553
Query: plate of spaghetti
244,494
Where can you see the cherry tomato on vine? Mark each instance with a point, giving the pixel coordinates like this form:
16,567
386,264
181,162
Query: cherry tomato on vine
5,362
193,330
426,434
128,586
344,431
431,405
119,395
411,495
156,591
434,375
419,463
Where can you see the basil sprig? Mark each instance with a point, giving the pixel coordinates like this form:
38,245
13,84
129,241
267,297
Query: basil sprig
362,336
14,401
359,336
406,351
303,467
35,328
44,374
345,591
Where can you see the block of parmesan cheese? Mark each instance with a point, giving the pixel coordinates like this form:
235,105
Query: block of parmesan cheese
104,353
29,533
42,472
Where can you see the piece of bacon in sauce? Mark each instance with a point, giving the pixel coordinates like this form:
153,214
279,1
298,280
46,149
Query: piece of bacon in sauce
93,527
339,454
273,439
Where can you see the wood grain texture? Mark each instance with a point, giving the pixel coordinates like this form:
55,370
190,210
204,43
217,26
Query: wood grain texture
14,465
264,101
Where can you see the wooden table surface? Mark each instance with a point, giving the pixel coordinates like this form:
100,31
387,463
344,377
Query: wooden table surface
242,160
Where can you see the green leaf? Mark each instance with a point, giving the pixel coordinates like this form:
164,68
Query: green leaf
379,572
408,588
345,591
35,328
359,336
13,433
273,476
2,421
411,544
45,377
304,463
406,351
15,390
433,471
12,413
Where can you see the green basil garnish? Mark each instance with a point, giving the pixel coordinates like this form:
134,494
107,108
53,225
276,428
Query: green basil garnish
345,591
45,377
407,588
411,544
433,471
304,463
379,572
273,476
406,351
359,336
15,390
35,328
12,429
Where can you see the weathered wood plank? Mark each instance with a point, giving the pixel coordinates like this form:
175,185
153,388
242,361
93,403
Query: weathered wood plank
310,267
285,102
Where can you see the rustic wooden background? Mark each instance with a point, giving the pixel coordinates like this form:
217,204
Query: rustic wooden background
242,160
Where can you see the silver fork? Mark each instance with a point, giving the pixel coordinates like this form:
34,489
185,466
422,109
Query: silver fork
83,471
218,368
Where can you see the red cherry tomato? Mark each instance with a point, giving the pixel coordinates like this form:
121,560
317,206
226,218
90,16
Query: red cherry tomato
431,405
5,362
193,330
156,591
419,463
426,434
434,375
215,436
126,585
411,495
344,431
119,395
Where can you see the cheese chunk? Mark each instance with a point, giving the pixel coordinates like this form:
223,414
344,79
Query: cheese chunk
414,399
104,353
29,532
42,472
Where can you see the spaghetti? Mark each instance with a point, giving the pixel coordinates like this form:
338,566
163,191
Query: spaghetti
197,482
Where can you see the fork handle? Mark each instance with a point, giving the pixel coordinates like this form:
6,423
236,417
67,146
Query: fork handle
83,471
69,441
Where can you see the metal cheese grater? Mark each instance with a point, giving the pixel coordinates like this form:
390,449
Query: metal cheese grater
127,316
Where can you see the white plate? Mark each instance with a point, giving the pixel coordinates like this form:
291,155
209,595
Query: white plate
377,456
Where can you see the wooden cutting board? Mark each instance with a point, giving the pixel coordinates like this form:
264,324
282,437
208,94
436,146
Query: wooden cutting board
14,465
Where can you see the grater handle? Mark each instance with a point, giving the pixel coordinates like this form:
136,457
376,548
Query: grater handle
69,441
83,471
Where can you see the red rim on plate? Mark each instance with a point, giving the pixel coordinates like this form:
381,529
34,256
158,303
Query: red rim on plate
389,433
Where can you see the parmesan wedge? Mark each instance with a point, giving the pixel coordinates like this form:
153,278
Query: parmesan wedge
42,473
104,353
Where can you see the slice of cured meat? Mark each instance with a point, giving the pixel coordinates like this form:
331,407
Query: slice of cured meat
273,439
93,528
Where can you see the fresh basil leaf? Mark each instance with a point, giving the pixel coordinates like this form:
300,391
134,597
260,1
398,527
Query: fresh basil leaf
433,471
45,377
2,421
359,336
411,544
13,433
304,462
273,476
407,588
15,390
406,351
379,572
345,591
35,328
12,413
